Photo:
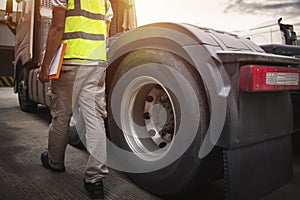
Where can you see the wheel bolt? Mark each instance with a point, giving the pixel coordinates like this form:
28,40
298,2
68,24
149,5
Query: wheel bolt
162,145
147,115
152,133
149,98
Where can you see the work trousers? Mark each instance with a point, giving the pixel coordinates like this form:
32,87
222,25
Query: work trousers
79,88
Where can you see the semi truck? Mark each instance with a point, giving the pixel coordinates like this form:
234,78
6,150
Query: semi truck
187,105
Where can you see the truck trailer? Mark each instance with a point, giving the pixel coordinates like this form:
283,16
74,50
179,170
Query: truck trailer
187,105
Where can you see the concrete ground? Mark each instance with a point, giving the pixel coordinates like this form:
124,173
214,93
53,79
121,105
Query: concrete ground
23,138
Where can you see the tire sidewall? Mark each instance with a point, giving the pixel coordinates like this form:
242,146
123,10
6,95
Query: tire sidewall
25,103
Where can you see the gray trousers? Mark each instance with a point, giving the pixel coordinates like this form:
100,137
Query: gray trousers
79,88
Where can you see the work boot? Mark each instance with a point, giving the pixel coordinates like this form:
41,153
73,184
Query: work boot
95,189
45,162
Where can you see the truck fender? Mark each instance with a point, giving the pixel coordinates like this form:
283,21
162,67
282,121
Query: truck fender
193,45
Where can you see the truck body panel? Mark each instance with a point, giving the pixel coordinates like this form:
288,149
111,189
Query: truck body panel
24,38
265,35
287,46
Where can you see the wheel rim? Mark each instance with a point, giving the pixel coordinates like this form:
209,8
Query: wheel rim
148,118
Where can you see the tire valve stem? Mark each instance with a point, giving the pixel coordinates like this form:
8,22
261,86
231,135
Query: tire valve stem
147,115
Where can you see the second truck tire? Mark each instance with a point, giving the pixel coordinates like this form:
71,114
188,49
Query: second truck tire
25,103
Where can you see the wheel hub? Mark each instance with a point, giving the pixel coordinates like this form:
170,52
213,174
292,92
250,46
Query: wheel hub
149,125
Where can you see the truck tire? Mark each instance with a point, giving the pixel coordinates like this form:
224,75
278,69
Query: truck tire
25,103
159,79
74,139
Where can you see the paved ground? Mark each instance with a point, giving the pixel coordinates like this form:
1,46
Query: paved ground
23,137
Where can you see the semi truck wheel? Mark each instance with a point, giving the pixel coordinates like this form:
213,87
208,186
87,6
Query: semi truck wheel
25,103
74,139
155,101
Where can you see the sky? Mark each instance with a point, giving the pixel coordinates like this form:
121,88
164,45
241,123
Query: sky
227,15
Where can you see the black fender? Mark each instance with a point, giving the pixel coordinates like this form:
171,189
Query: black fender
195,45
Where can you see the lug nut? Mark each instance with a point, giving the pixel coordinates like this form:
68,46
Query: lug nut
149,98
162,145
152,133
147,115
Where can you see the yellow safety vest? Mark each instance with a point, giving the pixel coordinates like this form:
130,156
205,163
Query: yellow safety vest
85,30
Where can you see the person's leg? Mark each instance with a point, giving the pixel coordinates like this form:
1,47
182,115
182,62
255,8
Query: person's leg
61,112
90,88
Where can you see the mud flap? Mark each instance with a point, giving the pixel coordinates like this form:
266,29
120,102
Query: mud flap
253,171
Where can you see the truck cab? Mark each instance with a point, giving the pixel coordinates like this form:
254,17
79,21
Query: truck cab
33,22
271,33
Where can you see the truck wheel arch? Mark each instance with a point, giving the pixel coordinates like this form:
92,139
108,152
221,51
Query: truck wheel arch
192,44
182,42
184,88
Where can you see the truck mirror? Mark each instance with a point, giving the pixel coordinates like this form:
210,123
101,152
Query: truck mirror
9,7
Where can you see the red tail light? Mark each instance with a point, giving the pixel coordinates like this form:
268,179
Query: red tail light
255,78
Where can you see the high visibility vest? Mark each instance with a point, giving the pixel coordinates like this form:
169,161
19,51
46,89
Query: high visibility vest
85,30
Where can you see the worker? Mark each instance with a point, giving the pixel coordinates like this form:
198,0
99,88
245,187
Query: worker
81,24
109,16
129,18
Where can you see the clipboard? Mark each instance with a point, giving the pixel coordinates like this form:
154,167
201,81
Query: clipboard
56,62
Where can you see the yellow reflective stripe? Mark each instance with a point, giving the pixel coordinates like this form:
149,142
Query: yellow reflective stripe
82,24
89,49
82,35
93,6
86,14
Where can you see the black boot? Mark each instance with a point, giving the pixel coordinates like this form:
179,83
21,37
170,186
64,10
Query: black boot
45,162
95,189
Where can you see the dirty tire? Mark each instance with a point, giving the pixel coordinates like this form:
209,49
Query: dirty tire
74,139
25,103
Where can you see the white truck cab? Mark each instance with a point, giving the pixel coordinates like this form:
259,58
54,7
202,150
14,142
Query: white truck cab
271,33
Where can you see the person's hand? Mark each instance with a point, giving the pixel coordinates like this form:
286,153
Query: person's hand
44,74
